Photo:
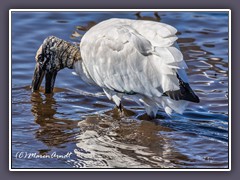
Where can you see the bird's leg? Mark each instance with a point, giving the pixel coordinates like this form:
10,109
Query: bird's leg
120,107
120,110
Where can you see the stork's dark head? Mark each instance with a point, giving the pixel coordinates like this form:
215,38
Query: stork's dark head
53,55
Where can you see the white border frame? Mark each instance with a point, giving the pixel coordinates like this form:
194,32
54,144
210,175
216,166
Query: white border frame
110,10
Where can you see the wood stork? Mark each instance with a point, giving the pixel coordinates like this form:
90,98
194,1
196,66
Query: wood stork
134,58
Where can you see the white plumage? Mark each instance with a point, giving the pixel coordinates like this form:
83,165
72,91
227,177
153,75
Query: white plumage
134,58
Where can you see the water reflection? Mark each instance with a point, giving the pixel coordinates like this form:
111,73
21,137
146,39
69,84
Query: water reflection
52,131
107,140
110,141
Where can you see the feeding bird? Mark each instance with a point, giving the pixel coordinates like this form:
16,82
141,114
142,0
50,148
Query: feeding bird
137,59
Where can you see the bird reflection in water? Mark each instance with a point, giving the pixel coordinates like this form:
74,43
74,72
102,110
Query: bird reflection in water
123,142
104,140
52,131
111,140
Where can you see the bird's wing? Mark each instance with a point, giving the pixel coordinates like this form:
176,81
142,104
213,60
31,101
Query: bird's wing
123,56
163,37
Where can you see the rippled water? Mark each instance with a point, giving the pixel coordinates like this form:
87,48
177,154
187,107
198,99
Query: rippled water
79,119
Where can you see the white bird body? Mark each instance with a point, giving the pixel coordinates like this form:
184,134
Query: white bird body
136,58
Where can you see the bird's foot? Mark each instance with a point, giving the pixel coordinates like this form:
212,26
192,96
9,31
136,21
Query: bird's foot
124,112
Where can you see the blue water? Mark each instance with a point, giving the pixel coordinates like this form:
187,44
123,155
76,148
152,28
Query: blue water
79,119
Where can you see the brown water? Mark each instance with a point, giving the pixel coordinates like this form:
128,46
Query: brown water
79,119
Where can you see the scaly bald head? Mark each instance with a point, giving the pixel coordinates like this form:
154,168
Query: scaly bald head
53,55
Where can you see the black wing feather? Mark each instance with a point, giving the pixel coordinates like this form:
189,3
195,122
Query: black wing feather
184,93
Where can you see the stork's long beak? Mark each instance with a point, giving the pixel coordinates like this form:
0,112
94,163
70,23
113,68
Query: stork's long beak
49,81
39,73
37,77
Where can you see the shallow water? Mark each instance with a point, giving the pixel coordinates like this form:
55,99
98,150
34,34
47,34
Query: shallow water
79,119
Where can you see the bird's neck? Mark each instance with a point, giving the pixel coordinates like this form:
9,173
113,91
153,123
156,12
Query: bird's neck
66,52
61,54
82,71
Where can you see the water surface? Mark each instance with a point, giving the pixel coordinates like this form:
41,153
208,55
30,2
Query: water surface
79,119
